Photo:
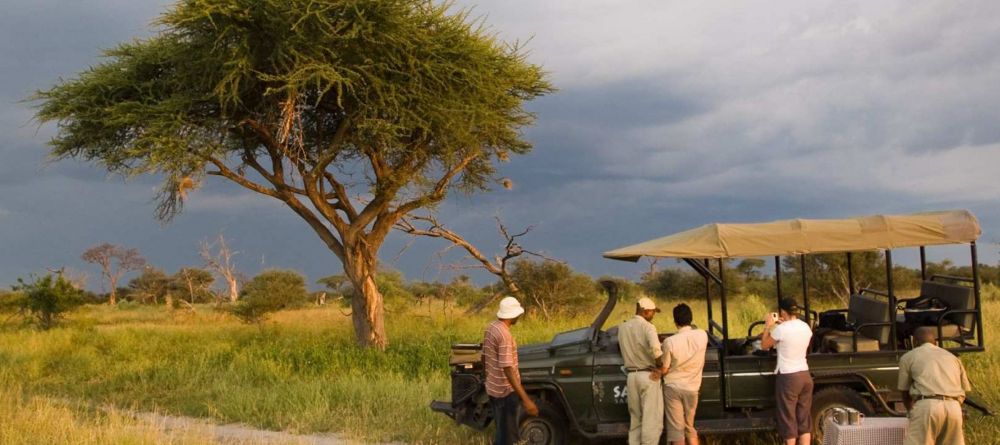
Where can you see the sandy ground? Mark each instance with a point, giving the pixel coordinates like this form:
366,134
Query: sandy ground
236,433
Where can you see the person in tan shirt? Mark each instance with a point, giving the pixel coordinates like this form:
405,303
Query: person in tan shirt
642,355
934,383
683,363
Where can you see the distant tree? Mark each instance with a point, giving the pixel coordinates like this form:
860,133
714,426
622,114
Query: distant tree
750,268
674,283
429,226
194,283
150,286
115,262
47,298
218,258
826,274
351,113
551,288
628,290
269,292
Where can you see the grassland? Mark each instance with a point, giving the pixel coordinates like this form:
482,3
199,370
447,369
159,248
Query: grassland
299,372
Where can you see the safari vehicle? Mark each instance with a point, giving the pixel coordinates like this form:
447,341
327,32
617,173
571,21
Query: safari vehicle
579,380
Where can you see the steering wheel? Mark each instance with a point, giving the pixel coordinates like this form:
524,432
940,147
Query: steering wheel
750,337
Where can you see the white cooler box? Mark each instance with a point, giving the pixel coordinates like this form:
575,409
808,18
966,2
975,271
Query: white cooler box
871,431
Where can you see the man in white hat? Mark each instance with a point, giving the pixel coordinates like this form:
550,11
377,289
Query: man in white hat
643,357
503,380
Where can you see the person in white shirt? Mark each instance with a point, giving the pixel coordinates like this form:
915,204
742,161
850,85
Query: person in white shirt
793,385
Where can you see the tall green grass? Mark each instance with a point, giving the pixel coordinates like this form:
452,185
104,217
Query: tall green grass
301,371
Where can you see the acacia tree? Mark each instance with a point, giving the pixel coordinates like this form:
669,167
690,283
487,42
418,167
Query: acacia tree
353,113
115,262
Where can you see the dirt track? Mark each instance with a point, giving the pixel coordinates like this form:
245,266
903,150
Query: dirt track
236,433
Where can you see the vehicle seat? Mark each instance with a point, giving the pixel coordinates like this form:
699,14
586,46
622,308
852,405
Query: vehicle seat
862,309
955,297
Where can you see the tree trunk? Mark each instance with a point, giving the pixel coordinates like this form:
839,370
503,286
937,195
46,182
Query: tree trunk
234,289
367,309
113,295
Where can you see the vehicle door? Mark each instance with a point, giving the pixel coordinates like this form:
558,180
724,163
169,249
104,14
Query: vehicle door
610,381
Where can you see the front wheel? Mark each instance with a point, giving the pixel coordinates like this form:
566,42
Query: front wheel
547,428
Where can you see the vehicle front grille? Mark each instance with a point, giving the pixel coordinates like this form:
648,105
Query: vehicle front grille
464,386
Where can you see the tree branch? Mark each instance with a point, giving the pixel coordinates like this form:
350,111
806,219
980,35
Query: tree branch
238,178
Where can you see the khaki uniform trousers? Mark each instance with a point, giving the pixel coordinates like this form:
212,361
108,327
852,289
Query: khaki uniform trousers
935,422
645,407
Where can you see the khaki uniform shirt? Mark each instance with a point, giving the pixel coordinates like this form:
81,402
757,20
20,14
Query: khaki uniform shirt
931,371
684,353
639,344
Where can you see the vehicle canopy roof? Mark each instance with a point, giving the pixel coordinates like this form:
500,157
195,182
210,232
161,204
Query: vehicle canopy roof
806,236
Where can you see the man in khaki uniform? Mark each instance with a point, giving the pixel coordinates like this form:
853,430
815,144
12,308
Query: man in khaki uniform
683,363
642,354
934,383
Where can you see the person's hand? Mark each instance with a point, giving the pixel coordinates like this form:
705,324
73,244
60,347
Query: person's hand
768,321
530,408
655,374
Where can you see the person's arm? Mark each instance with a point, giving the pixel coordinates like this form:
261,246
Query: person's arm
966,386
506,361
653,341
515,381
905,381
768,339
664,364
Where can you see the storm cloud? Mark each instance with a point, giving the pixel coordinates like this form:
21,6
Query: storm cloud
669,115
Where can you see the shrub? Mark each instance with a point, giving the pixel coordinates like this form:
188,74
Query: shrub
45,299
554,288
271,291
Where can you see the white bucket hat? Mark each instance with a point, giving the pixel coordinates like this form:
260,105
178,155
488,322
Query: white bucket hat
509,308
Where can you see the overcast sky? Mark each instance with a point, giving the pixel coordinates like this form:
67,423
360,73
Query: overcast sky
669,115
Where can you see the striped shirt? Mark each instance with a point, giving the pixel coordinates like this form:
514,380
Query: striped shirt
499,351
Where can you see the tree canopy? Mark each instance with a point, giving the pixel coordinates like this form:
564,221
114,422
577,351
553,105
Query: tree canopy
352,113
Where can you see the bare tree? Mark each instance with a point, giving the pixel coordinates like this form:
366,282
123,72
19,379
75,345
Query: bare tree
115,262
218,258
498,265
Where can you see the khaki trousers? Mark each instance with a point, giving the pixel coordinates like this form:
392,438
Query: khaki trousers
679,407
935,422
645,407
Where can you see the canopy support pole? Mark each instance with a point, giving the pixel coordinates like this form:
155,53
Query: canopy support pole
923,263
708,297
777,276
892,299
805,288
725,332
850,275
975,289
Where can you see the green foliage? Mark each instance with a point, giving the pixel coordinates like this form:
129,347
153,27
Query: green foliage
151,286
192,285
674,283
10,302
460,290
403,77
826,275
628,290
553,288
46,298
271,291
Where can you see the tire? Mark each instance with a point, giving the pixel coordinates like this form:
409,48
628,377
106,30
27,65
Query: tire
548,428
830,397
